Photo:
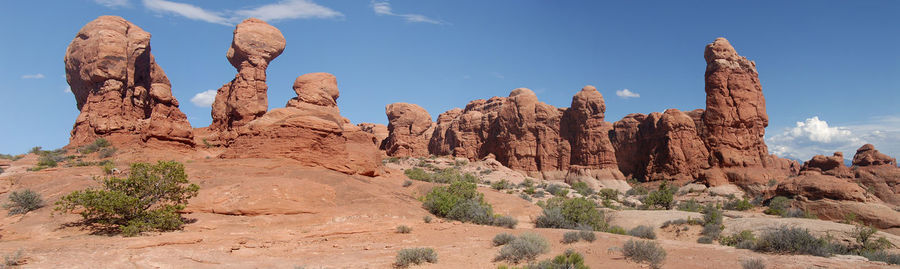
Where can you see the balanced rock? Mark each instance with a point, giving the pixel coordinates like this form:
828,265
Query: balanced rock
255,44
867,155
317,89
123,95
410,128
312,132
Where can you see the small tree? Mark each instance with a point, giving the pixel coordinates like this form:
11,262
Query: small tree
662,197
148,199
21,202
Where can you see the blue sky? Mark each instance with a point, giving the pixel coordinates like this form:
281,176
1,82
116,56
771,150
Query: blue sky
830,69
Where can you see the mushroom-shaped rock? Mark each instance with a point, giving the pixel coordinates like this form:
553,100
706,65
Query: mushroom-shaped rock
123,95
410,128
244,99
867,155
316,88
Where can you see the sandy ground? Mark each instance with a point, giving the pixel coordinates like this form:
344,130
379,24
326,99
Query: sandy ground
262,213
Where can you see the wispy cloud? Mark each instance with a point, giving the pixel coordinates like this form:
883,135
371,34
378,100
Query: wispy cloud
204,99
626,93
186,10
384,8
33,76
814,136
113,3
498,75
290,9
284,10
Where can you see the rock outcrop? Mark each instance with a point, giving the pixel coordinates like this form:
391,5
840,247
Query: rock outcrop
380,131
660,146
867,155
315,88
311,131
833,166
410,128
123,95
255,44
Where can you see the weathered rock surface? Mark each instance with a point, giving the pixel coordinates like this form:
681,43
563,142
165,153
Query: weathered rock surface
410,128
123,95
244,99
882,180
660,146
313,133
815,187
380,131
315,88
833,165
867,155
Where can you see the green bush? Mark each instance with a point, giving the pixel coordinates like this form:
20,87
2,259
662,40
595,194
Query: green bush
148,199
565,213
409,256
501,185
637,190
106,153
568,260
792,240
526,247
611,194
704,240
738,204
503,239
663,197
426,219
525,197
461,201
582,188
403,229
505,221
98,144
643,231
778,206
753,264
644,251
417,174
864,240
407,183
690,206
798,213
616,230
557,190
570,237
12,157
738,239
587,235
24,201
882,256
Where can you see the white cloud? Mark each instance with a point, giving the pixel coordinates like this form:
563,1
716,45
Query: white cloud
204,99
290,9
384,8
33,76
287,9
113,3
625,93
814,136
186,10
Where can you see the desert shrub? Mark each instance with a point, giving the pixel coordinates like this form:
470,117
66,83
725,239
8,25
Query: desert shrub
569,213
526,247
778,206
798,213
106,153
582,188
738,204
410,256
737,239
792,240
107,168
587,235
12,259
403,229
704,240
505,221
644,251
98,144
616,230
503,239
407,183
539,194
568,260
637,190
772,182
471,210
148,199
386,160
882,256
426,219
643,231
864,240
753,264
663,197
501,185
460,162
12,157
570,237
611,194
690,206
451,175
525,197
711,215
688,221
24,201
557,190
417,174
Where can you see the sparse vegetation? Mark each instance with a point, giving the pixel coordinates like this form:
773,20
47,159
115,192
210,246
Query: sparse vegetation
582,188
712,224
568,260
637,189
616,230
557,190
778,206
587,235
501,185
98,144
410,256
567,213
738,204
148,199
792,240
525,247
609,194
690,206
24,201
641,251
403,229
407,183
12,259
570,237
505,221
753,264
426,219
448,175
48,159
525,197
744,239
461,201
106,153
643,231
798,213
503,239
662,198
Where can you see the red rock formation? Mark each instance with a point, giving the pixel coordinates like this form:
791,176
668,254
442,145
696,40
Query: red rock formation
380,131
410,128
867,155
244,99
735,117
833,165
123,95
660,146
312,132
317,89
